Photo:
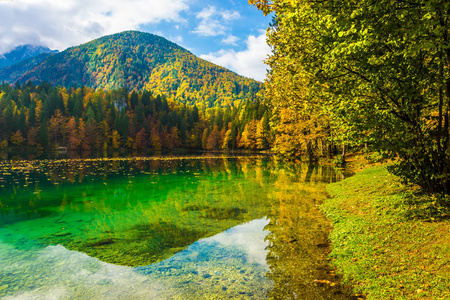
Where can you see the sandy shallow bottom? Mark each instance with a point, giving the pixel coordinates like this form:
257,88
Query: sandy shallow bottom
228,265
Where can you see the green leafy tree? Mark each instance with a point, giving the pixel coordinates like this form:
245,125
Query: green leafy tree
380,72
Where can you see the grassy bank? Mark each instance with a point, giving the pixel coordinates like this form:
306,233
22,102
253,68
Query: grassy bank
389,241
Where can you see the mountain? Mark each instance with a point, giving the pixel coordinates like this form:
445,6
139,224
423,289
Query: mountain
22,53
13,72
141,61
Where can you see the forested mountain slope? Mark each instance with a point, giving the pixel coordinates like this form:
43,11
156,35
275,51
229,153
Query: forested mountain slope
22,53
45,117
11,73
142,61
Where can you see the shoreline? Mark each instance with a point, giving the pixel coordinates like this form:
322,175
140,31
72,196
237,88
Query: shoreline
388,241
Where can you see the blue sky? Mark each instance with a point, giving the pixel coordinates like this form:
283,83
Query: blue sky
230,33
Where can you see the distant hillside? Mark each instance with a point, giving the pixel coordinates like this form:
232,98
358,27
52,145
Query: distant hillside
22,53
12,73
137,60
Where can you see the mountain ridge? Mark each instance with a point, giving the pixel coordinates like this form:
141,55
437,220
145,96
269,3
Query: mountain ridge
141,61
22,53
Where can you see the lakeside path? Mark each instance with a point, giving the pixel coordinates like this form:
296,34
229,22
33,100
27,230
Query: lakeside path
388,241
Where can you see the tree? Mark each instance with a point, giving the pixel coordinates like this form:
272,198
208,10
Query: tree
173,139
155,139
248,138
379,71
32,137
134,98
72,134
214,141
288,142
56,125
227,138
115,139
261,134
43,134
141,140
205,138
90,115
32,114
84,141
16,138
8,117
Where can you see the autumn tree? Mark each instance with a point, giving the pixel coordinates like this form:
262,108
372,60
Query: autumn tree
262,133
72,134
56,127
84,119
379,71
214,141
115,139
17,138
155,140
141,140
174,139
227,138
32,137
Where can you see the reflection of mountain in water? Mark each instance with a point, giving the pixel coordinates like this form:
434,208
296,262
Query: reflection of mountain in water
139,211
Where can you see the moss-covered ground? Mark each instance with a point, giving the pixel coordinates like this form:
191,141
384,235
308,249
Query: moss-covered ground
388,240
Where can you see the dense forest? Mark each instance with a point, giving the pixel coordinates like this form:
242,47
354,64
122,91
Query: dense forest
45,116
138,61
372,74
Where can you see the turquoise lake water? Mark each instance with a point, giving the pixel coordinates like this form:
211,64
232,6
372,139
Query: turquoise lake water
220,227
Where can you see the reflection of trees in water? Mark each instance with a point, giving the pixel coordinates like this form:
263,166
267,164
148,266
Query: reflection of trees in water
110,208
298,242
139,211
209,199
74,170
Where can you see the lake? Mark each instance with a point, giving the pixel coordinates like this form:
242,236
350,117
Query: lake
205,227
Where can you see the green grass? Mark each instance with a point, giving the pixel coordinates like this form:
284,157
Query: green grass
388,240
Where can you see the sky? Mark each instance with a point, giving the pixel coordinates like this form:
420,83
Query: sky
230,33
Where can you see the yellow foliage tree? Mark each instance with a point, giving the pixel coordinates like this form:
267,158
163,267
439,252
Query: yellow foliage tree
16,138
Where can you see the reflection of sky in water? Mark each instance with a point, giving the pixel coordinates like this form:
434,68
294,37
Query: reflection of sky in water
249,237
231,264
57,273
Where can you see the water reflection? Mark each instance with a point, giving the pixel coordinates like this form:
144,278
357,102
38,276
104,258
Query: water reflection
232,227
298,243
251,237
54,272
130,212
228,265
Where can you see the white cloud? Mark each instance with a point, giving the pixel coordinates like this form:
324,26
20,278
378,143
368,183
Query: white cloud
230,15
177,39
230,40
214,22
60,24
248,62
250,237
207,13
